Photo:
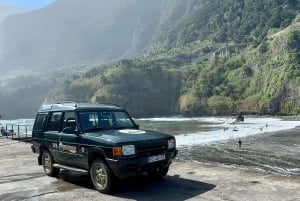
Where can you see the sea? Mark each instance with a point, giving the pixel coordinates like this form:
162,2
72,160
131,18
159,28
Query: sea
268,144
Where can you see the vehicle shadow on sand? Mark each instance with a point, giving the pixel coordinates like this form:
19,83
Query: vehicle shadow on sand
143,188
172,188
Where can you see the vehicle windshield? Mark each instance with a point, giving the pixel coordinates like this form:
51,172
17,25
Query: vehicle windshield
105,120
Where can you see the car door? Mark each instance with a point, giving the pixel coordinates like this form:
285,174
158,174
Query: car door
51,134
69,146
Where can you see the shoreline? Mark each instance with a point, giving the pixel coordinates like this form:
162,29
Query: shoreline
272,152
22,179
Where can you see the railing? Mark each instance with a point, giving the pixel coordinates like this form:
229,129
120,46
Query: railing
18,132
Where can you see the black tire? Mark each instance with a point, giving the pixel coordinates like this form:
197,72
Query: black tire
47,161
101,176
158,173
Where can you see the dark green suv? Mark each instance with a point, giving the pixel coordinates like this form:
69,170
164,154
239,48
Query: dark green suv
99,139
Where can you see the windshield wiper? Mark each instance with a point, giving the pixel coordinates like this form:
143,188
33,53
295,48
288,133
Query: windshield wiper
118,128
121,127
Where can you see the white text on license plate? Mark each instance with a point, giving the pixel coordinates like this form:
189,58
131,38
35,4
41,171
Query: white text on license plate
160,157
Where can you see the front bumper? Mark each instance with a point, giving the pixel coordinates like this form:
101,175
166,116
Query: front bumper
135,166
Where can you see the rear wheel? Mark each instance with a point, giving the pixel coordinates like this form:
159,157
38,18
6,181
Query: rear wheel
101,176
47,161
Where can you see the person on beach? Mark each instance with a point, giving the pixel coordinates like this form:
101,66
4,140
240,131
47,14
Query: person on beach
3,131
240,118
240,144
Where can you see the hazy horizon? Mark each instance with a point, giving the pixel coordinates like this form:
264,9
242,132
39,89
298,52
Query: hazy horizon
28,4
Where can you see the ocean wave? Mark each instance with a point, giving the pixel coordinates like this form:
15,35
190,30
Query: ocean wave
229,131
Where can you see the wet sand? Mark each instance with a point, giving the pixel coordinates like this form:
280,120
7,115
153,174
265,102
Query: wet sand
22,179
274,152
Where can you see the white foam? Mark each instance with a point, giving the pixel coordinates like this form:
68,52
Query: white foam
182,119
17,122
251,126
294,170
170,119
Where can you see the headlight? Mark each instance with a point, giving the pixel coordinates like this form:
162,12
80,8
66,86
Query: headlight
125,150
128,150
171,144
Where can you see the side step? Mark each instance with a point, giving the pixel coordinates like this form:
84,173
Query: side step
56,165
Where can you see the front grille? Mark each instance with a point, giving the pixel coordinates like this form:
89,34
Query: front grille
153,147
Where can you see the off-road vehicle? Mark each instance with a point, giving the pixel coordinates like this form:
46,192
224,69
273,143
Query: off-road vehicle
99,139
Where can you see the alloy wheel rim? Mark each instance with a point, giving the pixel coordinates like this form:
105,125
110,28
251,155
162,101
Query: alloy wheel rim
47,162
100,176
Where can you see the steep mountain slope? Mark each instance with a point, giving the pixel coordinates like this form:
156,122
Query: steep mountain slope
194,57
207,57
7,10
221,21
69,31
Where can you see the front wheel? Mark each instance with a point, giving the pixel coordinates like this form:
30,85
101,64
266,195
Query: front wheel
47,161
101,176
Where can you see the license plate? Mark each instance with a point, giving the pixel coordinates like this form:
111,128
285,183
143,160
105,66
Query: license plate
160,157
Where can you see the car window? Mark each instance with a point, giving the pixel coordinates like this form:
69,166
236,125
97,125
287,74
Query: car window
55,122
105,120
122,119
39,122
69,120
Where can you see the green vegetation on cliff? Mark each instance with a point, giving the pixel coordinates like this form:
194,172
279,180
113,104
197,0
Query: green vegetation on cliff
206,57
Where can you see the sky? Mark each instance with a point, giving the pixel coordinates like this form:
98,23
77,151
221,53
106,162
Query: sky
28,4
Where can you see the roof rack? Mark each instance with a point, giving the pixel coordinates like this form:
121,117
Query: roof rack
64,102
113,104
72,103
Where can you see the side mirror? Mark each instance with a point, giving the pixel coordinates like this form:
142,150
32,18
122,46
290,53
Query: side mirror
69,130
137,126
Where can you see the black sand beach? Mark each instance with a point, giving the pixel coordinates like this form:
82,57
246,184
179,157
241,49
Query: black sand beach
275,152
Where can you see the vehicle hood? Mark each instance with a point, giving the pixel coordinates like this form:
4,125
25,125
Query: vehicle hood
125,135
